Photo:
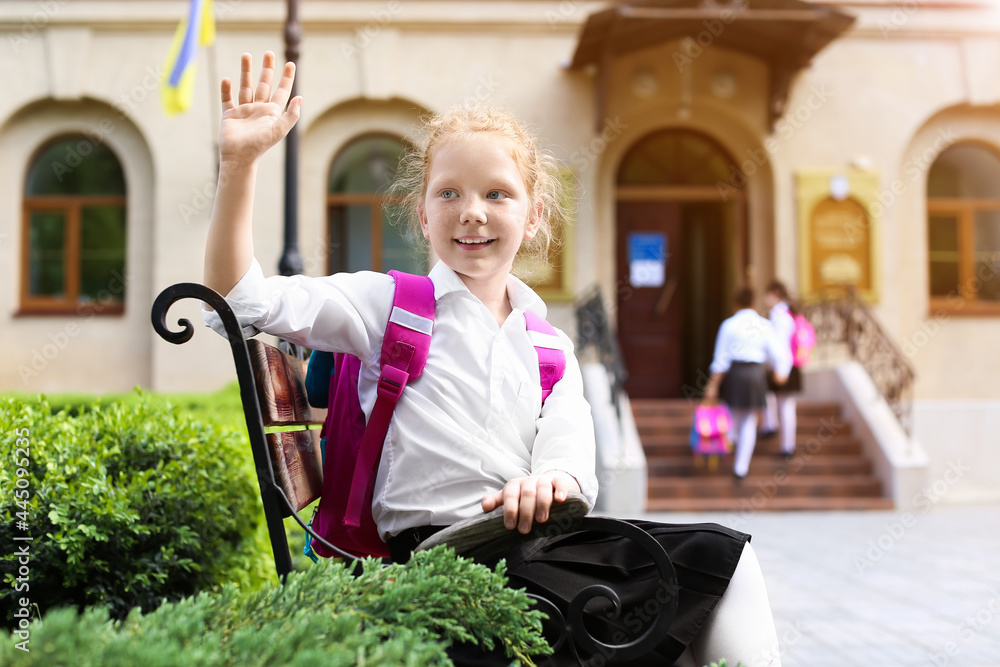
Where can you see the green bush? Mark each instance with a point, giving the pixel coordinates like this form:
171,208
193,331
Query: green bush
129,503
387,616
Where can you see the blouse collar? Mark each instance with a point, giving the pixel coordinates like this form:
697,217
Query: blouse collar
521,296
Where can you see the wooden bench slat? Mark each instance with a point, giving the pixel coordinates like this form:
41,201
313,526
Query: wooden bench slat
295,454
280,385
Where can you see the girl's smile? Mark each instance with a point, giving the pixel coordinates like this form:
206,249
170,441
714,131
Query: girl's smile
474,242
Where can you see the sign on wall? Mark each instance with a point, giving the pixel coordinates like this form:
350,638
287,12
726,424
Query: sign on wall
838,232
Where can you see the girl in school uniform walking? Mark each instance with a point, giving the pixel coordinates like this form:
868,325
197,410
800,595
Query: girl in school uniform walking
745,346
779,415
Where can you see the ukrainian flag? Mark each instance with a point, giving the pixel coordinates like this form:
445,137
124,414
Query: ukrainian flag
198,29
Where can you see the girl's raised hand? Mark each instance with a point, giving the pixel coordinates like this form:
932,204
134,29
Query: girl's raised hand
260,117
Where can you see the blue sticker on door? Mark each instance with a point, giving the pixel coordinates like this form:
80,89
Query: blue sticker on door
647,259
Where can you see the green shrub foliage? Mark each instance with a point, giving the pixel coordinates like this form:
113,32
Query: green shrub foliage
129,503
386,616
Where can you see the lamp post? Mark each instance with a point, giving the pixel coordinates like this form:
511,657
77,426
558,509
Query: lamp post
291,262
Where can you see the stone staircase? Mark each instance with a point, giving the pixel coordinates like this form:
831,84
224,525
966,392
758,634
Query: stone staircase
829,471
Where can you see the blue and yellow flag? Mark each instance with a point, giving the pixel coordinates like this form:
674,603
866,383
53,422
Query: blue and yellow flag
198,29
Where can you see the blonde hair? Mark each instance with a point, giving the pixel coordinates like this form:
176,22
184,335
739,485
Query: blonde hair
538,168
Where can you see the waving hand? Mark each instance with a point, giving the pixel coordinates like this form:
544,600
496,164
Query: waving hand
259,117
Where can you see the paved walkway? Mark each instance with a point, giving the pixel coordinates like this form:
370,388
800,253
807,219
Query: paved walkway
879,588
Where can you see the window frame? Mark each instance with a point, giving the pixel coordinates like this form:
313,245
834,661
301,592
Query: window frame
966,302
376,203
71,206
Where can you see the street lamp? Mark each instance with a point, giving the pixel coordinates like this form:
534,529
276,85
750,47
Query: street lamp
291,262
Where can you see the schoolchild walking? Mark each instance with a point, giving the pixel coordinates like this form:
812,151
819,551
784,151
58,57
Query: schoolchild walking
745,346
779,414
474,423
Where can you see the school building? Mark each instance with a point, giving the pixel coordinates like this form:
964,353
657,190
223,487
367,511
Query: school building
712,143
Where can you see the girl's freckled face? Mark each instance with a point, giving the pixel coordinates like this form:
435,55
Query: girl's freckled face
476,210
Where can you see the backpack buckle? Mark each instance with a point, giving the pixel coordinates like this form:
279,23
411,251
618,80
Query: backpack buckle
391,383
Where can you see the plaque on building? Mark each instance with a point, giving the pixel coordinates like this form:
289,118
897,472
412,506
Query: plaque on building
838,232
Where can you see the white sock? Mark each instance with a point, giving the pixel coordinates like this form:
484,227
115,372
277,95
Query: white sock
771,419
745,428
786,408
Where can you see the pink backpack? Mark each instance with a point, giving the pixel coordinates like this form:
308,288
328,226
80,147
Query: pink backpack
710,430
353,451
803,341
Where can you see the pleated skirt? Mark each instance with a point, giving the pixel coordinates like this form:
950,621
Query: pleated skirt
792,386
704,557
744,386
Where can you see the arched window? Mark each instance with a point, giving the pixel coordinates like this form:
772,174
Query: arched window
677,158
364,227
73,235
963,228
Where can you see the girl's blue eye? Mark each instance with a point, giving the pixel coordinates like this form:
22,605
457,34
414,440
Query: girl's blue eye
449,194
495,194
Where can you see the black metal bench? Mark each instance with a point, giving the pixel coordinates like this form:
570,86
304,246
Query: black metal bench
284,439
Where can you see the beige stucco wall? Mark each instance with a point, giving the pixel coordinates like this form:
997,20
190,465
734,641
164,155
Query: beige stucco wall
76,352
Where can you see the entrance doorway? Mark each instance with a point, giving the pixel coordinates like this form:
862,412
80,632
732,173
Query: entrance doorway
681,251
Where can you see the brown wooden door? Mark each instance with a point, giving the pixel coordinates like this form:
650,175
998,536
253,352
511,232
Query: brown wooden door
650,308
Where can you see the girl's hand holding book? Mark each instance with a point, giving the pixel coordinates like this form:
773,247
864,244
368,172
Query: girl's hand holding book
529,499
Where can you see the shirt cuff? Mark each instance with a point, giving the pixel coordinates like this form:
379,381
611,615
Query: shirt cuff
587,481
249,302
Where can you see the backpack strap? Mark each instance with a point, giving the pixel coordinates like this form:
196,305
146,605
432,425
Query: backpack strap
405,345
551,358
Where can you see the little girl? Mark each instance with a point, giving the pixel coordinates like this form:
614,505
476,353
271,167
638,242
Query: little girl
472,433
780,411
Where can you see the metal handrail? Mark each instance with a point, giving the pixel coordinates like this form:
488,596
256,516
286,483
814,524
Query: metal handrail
842,317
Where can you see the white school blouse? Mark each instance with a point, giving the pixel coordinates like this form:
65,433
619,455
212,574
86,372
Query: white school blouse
746,336
783,322
472,421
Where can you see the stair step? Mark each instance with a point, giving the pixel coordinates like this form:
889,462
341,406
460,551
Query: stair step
688,466
830,471
724,486
822,426
808,448
777,504
653,407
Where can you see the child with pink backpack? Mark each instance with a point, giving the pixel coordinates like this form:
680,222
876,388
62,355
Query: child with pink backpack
473,431
794,330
